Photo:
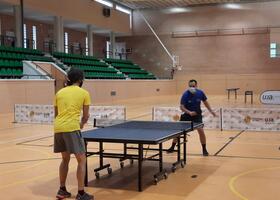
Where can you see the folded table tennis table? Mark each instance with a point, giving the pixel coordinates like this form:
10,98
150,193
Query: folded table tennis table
139,133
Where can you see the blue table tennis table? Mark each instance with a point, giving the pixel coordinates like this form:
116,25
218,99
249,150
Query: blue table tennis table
138,134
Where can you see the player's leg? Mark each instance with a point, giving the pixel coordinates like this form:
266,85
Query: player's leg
60,147
63,172
81,159
184,117
202,138
63,168
172,148
82,195
77,147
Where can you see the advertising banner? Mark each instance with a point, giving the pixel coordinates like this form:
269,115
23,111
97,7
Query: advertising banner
271,97
44,114
257,119
34,114
107,112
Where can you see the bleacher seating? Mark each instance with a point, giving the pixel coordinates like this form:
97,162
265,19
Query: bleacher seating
141,76
21,50
11,65
11,58
10,69
101,75
93,67
127,67
74,56
112,60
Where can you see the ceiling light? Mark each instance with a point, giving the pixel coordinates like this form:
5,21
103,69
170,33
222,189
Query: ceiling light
176,10
232,6
105,3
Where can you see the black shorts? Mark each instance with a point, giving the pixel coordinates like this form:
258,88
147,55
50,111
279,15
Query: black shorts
196,118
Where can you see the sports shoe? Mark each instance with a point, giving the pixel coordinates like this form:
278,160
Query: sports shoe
205,153
85,196
62,194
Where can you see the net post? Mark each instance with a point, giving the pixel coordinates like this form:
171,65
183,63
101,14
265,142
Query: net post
221,118
94,122
124,113
14,113
153,112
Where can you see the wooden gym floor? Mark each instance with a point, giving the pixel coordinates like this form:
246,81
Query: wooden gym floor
246,168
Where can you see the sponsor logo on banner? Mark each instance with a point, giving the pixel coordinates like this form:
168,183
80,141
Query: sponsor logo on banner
247,119
270,97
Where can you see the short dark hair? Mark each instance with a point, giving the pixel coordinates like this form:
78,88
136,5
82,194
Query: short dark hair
75,75
192,80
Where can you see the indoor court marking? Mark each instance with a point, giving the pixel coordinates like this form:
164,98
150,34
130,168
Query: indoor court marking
226,170
136,58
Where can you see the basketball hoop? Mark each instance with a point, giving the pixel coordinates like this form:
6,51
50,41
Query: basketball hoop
175,61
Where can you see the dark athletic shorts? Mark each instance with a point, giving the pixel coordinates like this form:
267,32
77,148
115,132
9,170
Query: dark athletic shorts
196,119
71,142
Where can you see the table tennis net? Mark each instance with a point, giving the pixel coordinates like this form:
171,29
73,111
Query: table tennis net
101,123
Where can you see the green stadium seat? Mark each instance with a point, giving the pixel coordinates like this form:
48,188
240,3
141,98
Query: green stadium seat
96,69
11,60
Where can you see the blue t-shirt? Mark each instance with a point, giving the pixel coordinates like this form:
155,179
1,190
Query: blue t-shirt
192,101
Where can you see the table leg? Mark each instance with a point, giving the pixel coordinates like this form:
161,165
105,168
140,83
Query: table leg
160,157
125,149
100,154
86,171
140,160
179,149
101,163
185,148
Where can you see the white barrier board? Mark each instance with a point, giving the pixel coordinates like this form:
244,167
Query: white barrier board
254,119
34,114
44,114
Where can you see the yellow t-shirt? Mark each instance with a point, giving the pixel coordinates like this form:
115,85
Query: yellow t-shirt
69,102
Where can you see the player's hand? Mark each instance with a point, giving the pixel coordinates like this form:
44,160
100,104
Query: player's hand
81,125
213,113
192,113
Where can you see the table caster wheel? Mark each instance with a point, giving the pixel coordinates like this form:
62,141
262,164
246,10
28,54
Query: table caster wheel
156,181
109,170
122,164
97,175
173,169
182,165
165,175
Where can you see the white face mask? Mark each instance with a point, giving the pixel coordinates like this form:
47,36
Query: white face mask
192,90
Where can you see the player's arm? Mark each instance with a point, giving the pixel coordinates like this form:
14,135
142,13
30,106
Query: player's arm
55,108
185,110
55,111
207,105
85,116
